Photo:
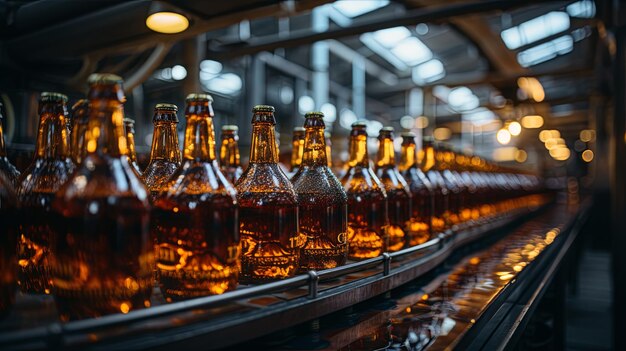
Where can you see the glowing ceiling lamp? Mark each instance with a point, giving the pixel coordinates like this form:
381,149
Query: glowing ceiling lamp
167,22
515,128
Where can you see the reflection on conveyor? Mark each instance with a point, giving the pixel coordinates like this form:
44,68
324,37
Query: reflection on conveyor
437,316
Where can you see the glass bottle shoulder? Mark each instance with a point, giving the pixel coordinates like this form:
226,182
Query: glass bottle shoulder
41,180
392,180
265,184
158,171
200,181
104,177
318,183
9,171
363,180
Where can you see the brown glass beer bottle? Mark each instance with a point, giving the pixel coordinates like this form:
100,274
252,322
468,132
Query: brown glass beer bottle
419,230
196,221
323,202
268,208
165,152
428,163
6,168
398,193
50,168
367,200
297,149
102,257
229,153
8,236
129,127
80,119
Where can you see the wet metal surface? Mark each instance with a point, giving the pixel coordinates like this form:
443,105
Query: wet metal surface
437,315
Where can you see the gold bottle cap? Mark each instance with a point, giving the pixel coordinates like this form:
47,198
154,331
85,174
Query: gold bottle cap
387,129
427,140
408,135
199,97
263,108
48,96
104,79
167,107
359,124
230,128
314,114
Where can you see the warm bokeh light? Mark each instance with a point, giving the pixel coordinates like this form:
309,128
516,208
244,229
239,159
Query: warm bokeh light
504,154
587,135
503,136
532,121
532,87
442,133
587,155
167,22
515,128
521,156
560,153
421,122
553,143
546,134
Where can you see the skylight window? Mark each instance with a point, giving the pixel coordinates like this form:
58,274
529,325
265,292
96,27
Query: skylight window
398,47
353,8
546,51
582,9
462,99
392,36
428,71
536,29
412,51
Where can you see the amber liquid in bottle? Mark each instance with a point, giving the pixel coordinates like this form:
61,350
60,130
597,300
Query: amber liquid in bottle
6,167
80,120
439,219
165,152
268,209
419,230
329,156
323,203
452,183
196,222
50,168
398,193
297,149
129,127
229,153
102,255
8,236
367,201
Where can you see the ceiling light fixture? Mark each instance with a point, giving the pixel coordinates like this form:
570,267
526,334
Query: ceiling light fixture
167,22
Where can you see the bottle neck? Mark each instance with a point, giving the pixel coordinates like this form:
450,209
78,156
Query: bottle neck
130,141
314,147
386,153
3,151
427,158
297,152
229,151
407,156
199,138
52,136
165,142
105,132
358,151
263,148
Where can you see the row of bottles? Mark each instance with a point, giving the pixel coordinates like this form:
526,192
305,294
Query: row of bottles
95,230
